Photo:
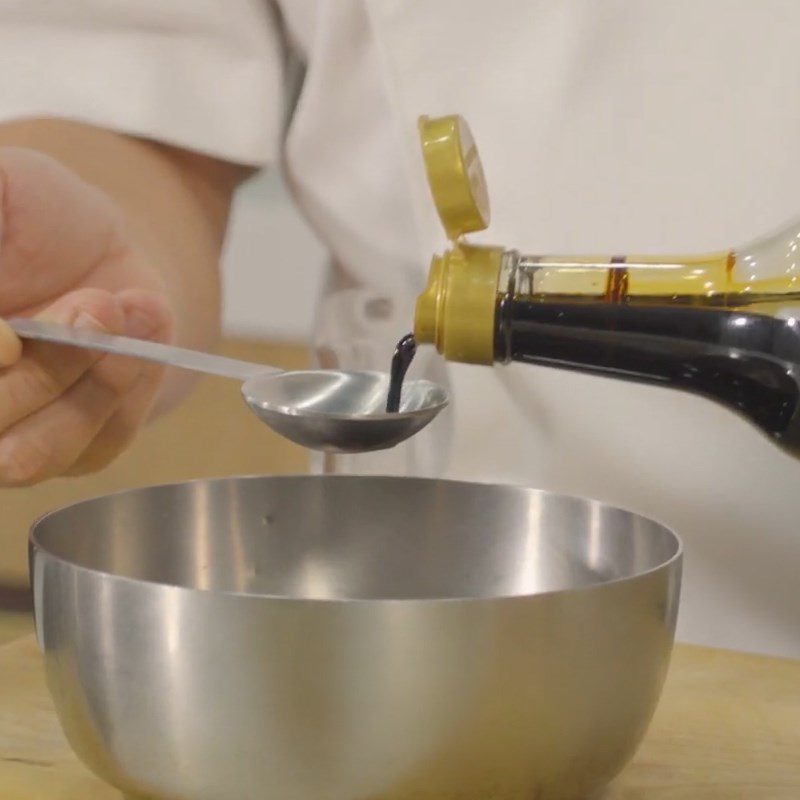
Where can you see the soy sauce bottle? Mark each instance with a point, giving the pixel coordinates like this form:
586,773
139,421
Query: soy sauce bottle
724,325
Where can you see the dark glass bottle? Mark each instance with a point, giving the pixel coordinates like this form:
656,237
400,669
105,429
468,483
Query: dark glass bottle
718,327
723,326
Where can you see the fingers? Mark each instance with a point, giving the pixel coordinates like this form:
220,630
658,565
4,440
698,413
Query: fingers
10,346
123,425
147,317
45,371
47,443
65,410
55,399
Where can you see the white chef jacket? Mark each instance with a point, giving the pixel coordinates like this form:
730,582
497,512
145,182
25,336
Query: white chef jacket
615,127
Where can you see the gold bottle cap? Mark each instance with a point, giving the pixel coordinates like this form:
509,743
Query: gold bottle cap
455,174
456,312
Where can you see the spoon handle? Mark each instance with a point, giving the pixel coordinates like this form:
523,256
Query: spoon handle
138,348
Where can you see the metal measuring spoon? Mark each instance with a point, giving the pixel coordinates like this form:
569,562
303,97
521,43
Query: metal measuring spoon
329,410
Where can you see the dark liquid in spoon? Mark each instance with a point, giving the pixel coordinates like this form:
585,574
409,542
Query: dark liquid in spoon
401,360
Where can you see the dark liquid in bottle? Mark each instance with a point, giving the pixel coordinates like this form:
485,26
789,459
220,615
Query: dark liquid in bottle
404,354
748,362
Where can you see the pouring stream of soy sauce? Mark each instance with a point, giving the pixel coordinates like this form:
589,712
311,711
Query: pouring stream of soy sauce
401,360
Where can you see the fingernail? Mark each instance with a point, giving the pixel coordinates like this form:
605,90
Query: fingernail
139,325
86,320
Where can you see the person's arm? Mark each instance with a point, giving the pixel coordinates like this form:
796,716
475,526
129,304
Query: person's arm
139,256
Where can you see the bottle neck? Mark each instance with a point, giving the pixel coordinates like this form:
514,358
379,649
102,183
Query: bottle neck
465,309
507,280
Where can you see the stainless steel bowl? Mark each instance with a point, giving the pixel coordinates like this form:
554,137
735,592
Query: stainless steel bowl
348,638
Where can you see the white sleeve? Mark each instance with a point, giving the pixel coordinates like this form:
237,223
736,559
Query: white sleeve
205,75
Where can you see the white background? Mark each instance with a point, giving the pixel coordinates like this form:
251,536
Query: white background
271,261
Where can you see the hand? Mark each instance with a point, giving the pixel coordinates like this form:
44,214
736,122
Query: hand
67,255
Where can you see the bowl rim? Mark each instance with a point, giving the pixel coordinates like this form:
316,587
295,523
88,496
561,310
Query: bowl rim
36,547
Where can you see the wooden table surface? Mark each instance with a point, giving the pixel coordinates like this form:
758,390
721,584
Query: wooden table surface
727,728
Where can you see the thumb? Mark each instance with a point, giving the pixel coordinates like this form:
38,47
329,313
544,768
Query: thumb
10,346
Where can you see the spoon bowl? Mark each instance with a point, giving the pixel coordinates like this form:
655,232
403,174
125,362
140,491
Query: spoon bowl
342,412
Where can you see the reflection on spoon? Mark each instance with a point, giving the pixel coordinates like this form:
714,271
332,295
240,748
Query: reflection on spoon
342,411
